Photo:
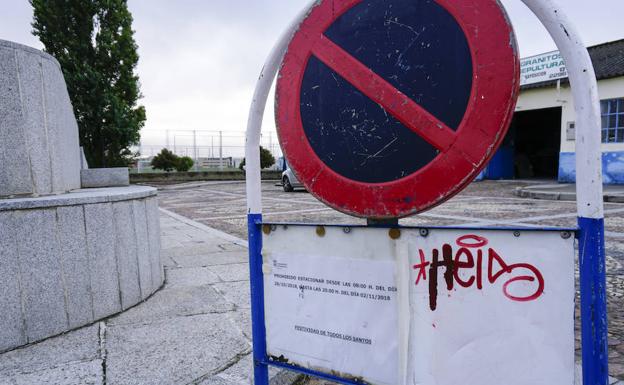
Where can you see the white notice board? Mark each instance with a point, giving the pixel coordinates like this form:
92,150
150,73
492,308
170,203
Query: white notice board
472,307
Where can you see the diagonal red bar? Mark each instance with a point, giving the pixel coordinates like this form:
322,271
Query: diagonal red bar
399,105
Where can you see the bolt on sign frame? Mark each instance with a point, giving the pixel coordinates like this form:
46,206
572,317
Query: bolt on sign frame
589,196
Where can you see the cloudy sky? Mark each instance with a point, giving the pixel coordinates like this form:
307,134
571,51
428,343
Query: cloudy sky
199,59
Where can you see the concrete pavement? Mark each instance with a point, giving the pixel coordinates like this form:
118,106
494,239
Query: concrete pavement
566,192
195,330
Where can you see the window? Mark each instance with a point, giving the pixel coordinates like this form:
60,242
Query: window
612,112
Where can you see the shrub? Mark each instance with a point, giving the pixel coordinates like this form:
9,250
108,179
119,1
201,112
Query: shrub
165,160
184,163
266,159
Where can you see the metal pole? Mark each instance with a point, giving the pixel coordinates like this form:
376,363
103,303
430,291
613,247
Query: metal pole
167,139
270,143
589,191
254,197
220,150
195,150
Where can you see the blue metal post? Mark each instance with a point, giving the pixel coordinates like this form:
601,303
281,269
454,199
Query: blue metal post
258,330
593,302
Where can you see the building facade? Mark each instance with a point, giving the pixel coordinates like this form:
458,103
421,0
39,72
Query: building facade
540,142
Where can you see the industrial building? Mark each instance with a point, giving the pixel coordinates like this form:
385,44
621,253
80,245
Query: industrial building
540,142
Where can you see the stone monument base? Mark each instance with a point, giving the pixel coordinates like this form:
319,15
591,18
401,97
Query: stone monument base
71,259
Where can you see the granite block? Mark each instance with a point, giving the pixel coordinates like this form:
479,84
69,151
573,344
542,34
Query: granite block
39,147
75,262
79,197
102,261
139,216
84,165
126,252
41,273
104,177
153,231
30,75
71,158
12,332
54,125
15,177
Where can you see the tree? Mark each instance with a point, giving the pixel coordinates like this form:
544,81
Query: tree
184,163
266,159
165,160
93,41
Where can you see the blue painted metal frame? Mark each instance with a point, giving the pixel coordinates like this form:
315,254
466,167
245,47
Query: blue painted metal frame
383,226
593,298
594,322
258,329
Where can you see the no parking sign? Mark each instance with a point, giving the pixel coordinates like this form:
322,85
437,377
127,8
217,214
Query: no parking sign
388,108
385,109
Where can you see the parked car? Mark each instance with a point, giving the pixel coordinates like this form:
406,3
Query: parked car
290,181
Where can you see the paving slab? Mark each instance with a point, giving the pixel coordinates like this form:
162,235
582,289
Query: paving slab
210,259
567,192
191,276
231,272
242,318
235,292
174,351
174,302
242,373
77,373
80,345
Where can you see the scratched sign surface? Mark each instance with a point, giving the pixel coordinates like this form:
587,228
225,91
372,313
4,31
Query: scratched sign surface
388,108
471,307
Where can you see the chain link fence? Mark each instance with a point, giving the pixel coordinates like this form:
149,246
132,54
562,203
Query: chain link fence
209,150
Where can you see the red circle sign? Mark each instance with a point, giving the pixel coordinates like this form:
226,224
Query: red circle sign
387,109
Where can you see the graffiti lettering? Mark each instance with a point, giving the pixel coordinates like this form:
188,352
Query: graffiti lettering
468,257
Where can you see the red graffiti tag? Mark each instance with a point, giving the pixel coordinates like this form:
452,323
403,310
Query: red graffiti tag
470,255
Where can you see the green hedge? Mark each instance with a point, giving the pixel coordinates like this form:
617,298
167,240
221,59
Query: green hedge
193,176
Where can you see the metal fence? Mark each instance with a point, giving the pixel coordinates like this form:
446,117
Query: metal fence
209,149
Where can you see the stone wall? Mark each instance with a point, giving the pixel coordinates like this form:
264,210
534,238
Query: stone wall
39,151
71,259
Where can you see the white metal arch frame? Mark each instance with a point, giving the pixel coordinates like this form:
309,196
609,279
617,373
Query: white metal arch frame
589,189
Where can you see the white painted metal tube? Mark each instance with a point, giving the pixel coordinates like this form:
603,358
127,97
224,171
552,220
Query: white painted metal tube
256,114
586,104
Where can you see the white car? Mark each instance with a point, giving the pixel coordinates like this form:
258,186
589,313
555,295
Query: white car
290,181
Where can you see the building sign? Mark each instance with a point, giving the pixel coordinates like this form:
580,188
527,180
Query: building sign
439,307
541,68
